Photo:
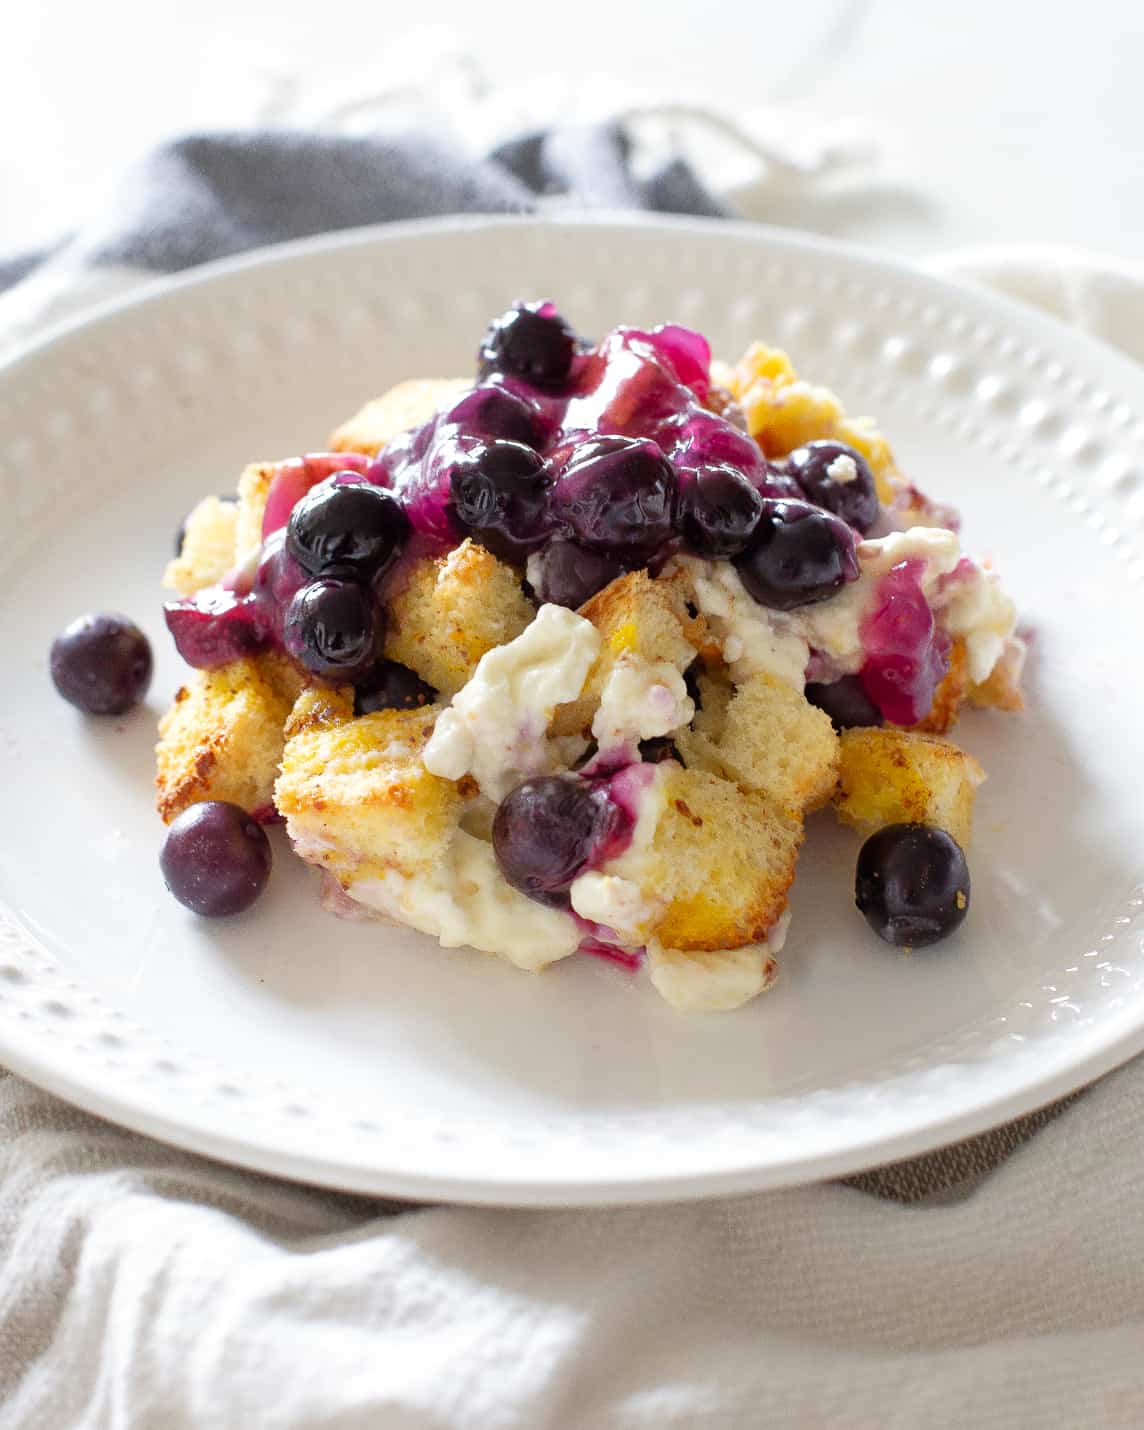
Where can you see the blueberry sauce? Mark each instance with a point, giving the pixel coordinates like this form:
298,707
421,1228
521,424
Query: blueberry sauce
906,656
584,460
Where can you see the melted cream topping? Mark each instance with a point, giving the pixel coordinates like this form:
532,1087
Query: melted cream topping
466,901
966,601
495,727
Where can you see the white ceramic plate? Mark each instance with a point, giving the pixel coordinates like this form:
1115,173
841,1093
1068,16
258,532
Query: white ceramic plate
369,1059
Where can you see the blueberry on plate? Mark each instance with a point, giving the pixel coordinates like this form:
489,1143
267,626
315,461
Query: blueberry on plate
346,527
838,477
531,341
101,664
798,555
545,832
912,884
215,859
335,629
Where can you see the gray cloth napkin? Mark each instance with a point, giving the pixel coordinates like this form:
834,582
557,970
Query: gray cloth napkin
208,196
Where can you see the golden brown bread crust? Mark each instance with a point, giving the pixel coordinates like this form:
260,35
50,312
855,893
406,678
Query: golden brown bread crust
768,738
636,616
449,611
207,551
223,736
723,858
253,488
355,794
889,776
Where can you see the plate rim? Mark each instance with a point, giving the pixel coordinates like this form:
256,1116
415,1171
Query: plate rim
156,287
1116,1040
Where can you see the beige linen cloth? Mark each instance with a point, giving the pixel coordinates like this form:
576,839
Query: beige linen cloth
999,1283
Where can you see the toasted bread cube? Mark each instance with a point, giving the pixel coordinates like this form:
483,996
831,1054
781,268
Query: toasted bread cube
716,691
222,738
450,611
783,412
891,776
636,617
722,858
253,488
1001,690
409,404
207,551
356,797
772,741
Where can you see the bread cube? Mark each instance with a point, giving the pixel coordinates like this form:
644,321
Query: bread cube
1001,690
355,795
720,862
207,550
639,617
450,610
223,736
409,404
783,411
769,739
889,776
253,488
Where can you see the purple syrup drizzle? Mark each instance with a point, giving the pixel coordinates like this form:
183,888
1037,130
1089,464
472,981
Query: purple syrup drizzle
906,657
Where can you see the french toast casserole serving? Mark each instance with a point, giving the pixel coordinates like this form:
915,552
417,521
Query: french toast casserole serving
557,661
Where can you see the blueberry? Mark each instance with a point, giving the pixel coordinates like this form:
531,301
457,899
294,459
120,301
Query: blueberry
500,493
838,478
704,439
545,832
181,534
215,859
845,701
567,574
531,341
799,554
719,509
617,495
912,884
346,527
101,664
391,686
334,628
494,412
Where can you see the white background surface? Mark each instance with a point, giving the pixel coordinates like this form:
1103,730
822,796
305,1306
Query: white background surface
1013,121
